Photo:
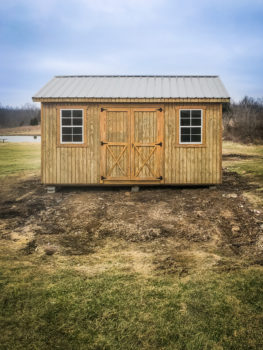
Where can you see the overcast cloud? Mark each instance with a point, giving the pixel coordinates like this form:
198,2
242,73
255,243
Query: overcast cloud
40,39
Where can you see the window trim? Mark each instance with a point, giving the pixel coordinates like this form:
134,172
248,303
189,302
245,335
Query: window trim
59,126
72,126
203,126
190,126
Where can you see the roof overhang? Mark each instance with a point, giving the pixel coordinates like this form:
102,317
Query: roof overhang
130,100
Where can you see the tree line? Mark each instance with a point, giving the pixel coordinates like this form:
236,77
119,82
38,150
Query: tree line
243,121
10,117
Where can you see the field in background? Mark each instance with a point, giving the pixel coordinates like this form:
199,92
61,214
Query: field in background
21,130
174,268
246,160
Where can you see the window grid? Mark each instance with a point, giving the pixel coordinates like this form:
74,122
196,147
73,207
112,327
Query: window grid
193,129
71,126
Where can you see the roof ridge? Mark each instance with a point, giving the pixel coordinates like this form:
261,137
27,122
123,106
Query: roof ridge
136,76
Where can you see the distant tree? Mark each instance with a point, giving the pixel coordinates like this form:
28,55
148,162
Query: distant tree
243,121
15,116
34,121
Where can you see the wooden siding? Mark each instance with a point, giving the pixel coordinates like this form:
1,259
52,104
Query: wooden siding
198,164
182,164
70,165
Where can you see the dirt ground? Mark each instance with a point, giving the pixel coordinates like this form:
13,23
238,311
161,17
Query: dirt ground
167,230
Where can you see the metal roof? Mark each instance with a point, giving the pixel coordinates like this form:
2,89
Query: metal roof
133,86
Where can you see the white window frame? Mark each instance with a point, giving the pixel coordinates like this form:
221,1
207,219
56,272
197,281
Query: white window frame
190,126
72,126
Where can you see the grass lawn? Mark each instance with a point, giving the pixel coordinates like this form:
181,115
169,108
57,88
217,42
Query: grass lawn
239,148
250,166
18,158
59,308
46,302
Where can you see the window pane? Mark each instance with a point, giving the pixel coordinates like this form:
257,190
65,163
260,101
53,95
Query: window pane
185,121
77,114
196,131
185,114
196,138
66,114
196,121
196,114
77,131
66,121
185,138
66,138
185,131
77,121
66,131
77,138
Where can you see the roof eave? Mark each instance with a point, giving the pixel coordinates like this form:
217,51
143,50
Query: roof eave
130,99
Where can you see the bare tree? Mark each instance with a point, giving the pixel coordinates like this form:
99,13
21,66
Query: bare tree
17,116
243,121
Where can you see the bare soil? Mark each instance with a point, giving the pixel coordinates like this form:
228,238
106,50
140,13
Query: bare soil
174,230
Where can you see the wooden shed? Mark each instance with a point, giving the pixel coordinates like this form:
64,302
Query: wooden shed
119,130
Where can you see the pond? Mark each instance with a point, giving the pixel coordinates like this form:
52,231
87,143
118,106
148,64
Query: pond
21,138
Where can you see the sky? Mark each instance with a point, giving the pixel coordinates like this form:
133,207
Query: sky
43,38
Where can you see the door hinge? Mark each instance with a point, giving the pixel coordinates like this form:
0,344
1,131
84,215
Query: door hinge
102,177
159,178
103,109
160,109
159,144
103,143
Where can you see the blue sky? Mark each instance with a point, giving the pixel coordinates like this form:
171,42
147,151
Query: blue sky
43,38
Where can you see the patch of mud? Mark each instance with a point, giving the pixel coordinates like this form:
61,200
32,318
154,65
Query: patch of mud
167,222
30,247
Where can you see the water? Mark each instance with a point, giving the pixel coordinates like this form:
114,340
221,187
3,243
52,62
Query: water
22,138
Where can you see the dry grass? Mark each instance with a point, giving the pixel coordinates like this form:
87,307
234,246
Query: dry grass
21,130
246,160
159,269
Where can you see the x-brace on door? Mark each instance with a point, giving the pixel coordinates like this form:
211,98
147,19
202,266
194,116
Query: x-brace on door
131,144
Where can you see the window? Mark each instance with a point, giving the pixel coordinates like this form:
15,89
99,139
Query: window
191,126
71,126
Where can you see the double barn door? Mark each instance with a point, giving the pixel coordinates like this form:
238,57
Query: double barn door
131,144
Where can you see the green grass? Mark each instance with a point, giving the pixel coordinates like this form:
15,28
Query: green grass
239,148
64,309
19,157
251,167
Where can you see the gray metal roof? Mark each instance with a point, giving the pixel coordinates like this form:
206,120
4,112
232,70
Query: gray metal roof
127,86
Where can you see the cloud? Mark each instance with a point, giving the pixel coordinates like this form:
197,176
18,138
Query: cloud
42,38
